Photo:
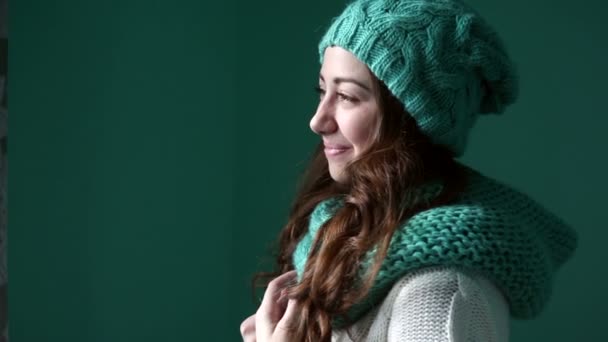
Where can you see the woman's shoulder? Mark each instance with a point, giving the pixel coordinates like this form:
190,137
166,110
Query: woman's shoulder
449,304
493,229
445,286
436,303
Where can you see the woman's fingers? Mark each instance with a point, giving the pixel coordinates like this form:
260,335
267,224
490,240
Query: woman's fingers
277,284
287,322
248,329
273,292
271,310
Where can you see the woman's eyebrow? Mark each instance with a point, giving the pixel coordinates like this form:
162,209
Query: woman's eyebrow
338,80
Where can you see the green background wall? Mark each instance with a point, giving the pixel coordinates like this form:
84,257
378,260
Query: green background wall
154,148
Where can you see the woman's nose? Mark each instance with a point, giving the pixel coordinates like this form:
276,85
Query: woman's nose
323,121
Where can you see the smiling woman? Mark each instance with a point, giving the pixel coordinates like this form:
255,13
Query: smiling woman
348,116
391,238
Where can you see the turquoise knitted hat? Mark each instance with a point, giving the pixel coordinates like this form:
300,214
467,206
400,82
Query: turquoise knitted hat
438,57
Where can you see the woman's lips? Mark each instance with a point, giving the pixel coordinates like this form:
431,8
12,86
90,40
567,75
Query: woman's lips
335,151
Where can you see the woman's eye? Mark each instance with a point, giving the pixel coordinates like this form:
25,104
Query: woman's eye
341,96
346,98
320,91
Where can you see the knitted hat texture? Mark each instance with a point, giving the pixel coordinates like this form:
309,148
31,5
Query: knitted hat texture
438,57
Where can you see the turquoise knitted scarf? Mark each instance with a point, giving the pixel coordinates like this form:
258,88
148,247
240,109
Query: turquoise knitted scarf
492,229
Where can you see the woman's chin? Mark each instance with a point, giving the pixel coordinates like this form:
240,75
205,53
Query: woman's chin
338,175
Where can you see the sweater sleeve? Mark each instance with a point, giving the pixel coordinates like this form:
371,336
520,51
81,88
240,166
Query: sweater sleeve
447,305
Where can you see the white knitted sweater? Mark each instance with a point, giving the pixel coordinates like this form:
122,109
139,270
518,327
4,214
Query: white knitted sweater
435,304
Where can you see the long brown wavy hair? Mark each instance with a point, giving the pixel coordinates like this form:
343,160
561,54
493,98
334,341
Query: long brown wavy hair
400,159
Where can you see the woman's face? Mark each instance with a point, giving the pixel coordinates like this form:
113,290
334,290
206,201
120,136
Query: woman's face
348,115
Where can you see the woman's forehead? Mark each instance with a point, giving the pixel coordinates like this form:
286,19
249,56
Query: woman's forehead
338,62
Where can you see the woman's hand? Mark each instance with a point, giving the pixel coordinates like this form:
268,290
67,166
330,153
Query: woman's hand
275,316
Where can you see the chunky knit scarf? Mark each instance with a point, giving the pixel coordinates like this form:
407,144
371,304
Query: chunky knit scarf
492,229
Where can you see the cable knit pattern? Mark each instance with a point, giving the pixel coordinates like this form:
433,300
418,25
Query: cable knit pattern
439,57
491,229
